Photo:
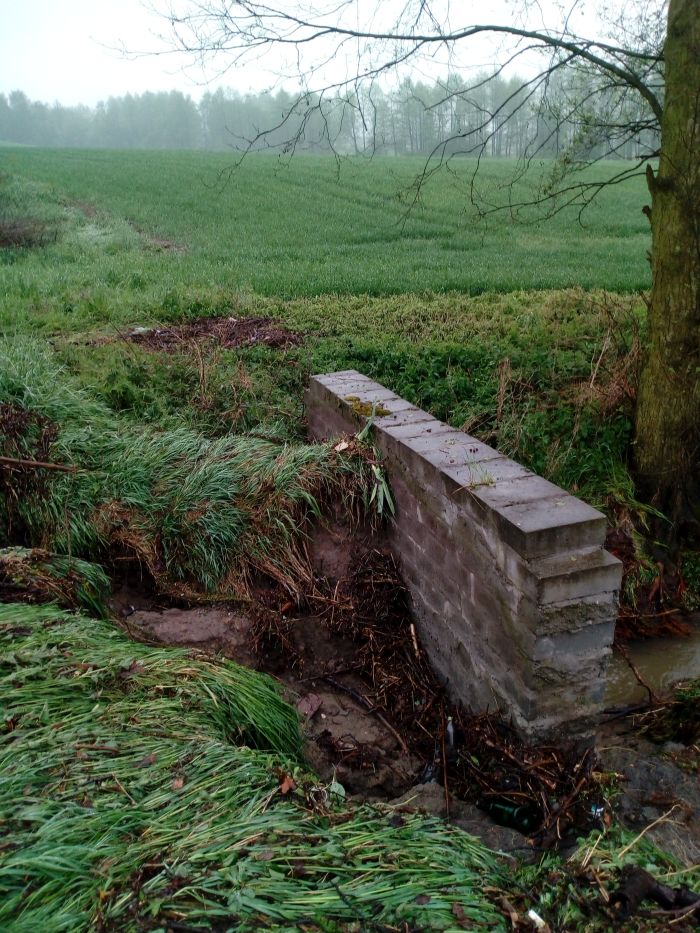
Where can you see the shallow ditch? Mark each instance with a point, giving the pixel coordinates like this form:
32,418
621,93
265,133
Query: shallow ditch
376,721
661,662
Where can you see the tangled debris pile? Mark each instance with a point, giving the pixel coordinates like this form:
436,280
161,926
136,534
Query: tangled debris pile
676,720
550,794
376,718
227,332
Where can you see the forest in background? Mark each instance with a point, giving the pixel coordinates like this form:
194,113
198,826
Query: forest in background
489,116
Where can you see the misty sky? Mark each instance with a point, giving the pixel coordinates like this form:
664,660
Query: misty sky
59,50
66,50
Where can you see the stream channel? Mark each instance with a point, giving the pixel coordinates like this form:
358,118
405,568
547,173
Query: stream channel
661,662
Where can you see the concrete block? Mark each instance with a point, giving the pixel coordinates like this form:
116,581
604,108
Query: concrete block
402,415
576,575
566,650
478,477
333,379
415,428
517,490
349,390
564,577
546,526
573,614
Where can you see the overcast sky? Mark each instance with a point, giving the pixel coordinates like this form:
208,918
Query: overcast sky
67,50
62,50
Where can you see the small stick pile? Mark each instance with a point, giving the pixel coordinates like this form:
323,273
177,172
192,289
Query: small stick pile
549,793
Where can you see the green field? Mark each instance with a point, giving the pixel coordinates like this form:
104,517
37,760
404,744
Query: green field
494,325
312,227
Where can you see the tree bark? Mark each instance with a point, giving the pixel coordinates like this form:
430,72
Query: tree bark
667,443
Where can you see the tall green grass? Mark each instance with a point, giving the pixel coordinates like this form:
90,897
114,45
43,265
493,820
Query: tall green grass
510,366
37,576
202,515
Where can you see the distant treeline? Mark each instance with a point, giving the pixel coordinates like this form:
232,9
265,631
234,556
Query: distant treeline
496,117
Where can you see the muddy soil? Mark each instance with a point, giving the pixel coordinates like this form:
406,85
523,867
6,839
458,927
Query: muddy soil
344,739
659,787
227,332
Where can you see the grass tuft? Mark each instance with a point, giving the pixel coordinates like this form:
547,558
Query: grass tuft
36,576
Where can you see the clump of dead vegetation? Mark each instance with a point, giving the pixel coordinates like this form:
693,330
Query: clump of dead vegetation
26,234
552,794
676,719
21,223
25,444
226,332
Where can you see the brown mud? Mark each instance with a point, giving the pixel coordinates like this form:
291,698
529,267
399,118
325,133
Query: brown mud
227,332
376,720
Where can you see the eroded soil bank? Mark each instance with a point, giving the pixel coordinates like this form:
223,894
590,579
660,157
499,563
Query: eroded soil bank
377,722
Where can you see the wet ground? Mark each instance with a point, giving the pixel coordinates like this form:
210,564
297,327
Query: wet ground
345,738
352,664
661,662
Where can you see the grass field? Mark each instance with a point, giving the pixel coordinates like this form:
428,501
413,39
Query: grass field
493,325
307,228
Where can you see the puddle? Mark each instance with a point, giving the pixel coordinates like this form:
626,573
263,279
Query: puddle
660,661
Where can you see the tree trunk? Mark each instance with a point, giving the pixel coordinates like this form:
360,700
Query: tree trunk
667,439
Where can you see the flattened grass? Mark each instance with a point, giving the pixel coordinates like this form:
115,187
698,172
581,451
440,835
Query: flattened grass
141,786
36,576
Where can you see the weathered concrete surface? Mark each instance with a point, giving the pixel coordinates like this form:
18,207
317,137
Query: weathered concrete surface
514,594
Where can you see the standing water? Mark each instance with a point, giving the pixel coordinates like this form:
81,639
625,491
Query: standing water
660,661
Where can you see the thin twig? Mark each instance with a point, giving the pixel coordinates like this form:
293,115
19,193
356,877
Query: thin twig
123,789
38,464
444,767
660,819
653,698
606,344
415,640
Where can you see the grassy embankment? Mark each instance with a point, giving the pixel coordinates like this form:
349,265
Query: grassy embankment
145,789
525,334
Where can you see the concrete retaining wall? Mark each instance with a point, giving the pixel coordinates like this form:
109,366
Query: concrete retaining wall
513,593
